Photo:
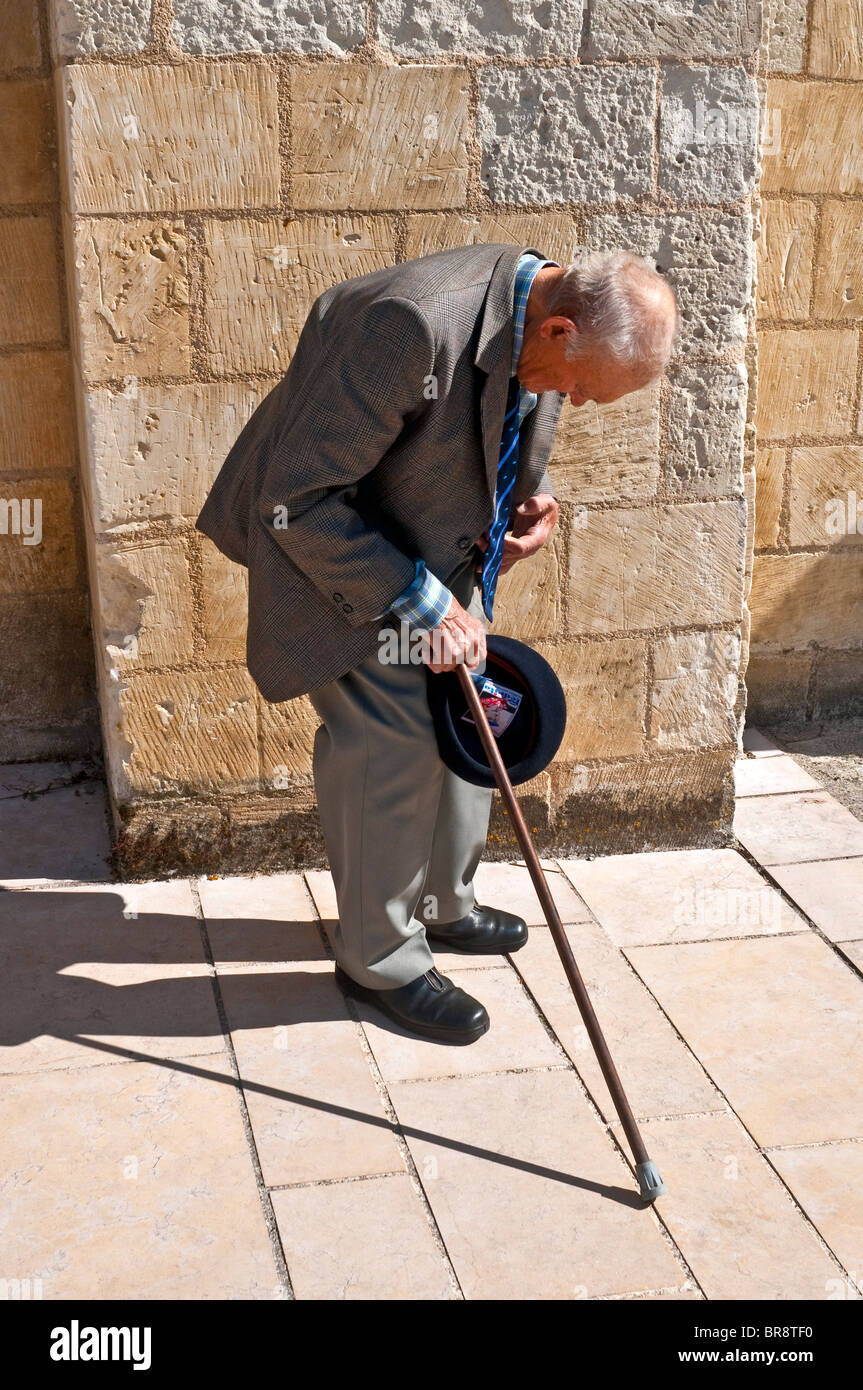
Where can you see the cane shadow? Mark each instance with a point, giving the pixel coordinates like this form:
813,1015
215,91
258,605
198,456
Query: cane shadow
80,977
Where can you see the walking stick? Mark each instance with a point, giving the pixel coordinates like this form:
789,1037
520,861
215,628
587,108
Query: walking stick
649,1181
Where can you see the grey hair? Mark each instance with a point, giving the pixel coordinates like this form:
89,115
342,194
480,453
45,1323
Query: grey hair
612,297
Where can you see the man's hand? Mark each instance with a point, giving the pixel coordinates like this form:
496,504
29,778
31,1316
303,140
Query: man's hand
531,525
458,640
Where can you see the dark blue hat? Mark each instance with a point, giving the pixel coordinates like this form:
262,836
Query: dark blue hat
525,704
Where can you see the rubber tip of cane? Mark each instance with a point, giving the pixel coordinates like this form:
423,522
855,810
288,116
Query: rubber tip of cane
650,1182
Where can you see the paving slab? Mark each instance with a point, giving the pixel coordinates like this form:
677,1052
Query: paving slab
760,745
61,835
854,950
829,891
659,1073
679,895
530,1197
261,917
766,776
510,886
800,826
684,1294
827,1181
120,964
778,1025
314,1108
366,1239
131,1182
730,1215
516,1037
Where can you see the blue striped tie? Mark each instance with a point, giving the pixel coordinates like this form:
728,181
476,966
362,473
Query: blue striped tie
506,471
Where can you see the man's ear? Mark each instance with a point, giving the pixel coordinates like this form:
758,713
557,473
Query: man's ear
556,325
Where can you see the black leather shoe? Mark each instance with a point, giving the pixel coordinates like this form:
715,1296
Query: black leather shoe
431,1006
485,931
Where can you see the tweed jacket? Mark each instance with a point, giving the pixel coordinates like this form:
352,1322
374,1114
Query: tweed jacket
378,447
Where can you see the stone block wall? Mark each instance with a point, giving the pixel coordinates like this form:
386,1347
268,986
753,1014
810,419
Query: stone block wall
48,706
226,163
807,591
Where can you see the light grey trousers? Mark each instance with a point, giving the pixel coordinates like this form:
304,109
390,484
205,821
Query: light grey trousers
403,834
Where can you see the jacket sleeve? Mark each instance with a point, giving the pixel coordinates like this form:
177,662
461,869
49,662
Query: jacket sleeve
370,379
545,485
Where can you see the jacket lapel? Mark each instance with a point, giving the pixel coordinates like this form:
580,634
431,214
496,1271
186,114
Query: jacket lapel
535,442
494,357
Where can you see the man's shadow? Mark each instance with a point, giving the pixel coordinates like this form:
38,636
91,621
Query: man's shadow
55,946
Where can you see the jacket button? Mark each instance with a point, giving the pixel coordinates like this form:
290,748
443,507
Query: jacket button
463,542
338,597
347,608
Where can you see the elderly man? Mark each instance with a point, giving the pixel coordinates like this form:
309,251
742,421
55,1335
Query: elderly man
390,478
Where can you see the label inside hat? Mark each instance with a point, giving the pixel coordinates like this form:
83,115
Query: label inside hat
500,705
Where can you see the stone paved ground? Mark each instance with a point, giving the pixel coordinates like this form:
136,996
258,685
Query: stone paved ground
191,1109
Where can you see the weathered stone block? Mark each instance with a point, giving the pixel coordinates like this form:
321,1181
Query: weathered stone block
786,252
225,606
694,689
287,742
519,29
697,251
163,139
822,511
155,450
785,29
839,684
26,132
632,569
185,732
554,233
29,286
529,597
38,413
777,685
379,137
262,278
133,297
538,128
605,453
47,687
797,599
145,606
39,524
708,133
644,803
604,683
658,29
770,474
19,25
839,265
266,26
706,417
836,39
817,149
806,381
749,494
93,26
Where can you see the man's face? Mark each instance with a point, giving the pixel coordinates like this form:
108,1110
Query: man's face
543,366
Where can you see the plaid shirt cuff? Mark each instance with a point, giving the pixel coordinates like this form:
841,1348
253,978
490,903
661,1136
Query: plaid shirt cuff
425,601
